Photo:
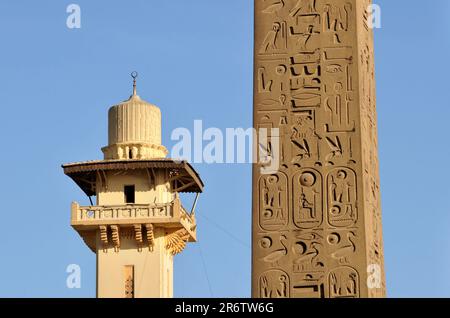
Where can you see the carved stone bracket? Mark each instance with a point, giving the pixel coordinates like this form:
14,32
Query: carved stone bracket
176,242
150,236
104,236
138,236
115,237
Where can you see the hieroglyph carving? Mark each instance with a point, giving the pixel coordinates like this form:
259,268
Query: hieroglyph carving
274,206
274,284
344,283
307,199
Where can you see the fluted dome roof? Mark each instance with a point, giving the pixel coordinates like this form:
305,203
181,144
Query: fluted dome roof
134,130
134,120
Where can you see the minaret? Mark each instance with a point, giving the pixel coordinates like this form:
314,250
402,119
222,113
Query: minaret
138,223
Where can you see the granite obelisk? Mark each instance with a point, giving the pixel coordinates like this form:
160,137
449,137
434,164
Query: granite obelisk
317,218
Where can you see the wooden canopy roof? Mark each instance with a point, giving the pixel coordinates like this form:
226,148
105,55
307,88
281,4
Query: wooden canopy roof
85,173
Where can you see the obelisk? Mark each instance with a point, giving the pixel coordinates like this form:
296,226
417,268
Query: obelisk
317,217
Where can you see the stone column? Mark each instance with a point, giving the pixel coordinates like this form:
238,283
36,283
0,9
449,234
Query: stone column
317,218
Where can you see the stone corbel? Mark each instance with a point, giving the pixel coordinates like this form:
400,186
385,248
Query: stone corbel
104,236
150,236
176,242
138,236
115,237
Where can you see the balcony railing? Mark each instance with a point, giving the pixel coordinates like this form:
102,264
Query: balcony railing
170,214
124,212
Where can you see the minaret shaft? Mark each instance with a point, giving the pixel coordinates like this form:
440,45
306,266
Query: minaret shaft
137,269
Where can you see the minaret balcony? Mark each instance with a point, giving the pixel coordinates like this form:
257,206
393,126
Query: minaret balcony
168,215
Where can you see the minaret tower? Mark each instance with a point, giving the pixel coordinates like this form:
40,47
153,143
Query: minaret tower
317,229
138,223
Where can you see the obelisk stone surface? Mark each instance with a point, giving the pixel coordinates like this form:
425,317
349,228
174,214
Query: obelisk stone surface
317,219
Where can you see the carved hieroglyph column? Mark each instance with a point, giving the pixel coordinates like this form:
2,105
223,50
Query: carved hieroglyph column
317,218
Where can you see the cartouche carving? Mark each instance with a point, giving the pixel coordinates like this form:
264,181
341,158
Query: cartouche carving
308,199
274,284
342,200
273,205
344,283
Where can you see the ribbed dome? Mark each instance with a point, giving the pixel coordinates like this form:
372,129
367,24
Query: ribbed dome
134,120
134,131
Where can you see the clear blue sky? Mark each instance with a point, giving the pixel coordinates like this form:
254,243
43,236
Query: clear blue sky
195,62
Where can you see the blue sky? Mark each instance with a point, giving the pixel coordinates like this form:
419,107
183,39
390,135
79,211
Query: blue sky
195,62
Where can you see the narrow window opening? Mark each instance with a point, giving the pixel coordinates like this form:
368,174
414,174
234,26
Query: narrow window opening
130,154
129,191
129,281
